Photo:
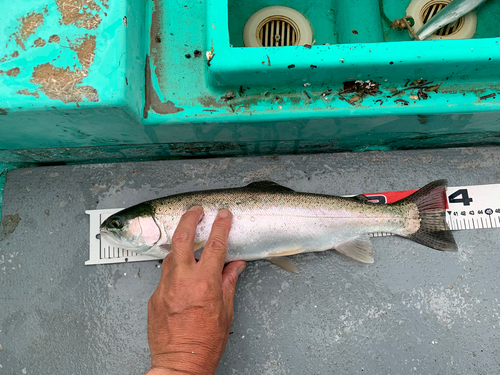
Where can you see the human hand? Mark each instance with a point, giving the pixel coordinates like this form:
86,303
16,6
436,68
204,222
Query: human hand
191,310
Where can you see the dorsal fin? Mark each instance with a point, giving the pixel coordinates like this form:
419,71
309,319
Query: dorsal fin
268,186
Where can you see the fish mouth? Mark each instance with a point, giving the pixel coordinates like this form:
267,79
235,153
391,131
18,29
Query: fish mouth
108,236
112,239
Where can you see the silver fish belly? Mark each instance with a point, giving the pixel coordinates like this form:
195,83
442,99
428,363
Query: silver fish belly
271,222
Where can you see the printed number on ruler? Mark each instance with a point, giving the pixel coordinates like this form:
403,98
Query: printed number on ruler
473,207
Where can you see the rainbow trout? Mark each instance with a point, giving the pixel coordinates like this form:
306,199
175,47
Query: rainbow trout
271,222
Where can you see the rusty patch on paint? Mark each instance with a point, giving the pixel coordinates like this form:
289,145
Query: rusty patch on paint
81,13
85,50
61,84
28,26
105,4
11,72
156,36
152,99
39,42
54,39
27,92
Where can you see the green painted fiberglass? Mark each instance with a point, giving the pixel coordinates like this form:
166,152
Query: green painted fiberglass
107,80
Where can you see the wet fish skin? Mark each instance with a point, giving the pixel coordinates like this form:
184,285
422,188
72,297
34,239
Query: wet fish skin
447,15
271,221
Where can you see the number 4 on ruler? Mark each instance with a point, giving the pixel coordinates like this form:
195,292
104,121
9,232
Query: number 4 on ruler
463,193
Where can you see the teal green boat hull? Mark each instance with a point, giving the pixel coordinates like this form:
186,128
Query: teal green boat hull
131,80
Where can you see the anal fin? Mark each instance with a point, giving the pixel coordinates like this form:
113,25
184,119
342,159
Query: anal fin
284,263
359,248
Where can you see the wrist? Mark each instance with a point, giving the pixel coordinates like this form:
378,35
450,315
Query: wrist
159,371
185,363
167,371
162,371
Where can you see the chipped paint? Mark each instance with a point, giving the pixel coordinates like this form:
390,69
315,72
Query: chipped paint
85,50
61,84
152,100
54,39
9,57
27,92
157,40
11,72
39,42
81,13
27,27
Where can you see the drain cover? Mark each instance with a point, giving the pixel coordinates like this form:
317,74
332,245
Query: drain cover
423,11
431,9
277,31
277,26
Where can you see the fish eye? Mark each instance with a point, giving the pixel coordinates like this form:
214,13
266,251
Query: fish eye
116,223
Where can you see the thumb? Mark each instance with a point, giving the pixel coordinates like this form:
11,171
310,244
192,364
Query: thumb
229,279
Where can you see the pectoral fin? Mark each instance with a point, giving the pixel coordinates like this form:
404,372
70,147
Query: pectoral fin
284,263
359,248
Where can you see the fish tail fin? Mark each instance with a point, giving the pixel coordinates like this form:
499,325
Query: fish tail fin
433,231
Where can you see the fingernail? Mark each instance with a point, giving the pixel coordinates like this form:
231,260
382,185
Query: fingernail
241,269
223,214
194,208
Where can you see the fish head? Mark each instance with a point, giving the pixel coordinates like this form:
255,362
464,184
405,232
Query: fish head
134,228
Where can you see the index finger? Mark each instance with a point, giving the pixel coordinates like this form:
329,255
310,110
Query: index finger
214,254
183,238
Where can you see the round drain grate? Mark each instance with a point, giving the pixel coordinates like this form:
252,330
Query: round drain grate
423,11
431,9
278,31
277,26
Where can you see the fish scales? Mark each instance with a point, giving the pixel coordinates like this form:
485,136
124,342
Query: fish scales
267,224
271,221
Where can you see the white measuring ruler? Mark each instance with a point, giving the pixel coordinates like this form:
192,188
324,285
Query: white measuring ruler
469,207
473,207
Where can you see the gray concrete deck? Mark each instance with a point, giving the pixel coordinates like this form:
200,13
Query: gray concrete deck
414,311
